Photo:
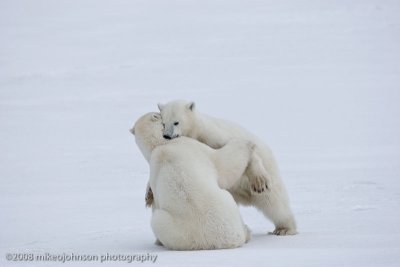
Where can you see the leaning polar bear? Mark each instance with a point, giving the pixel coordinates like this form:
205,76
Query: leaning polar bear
180,118
190,210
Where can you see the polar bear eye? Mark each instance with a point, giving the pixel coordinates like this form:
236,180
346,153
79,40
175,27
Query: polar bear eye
176,123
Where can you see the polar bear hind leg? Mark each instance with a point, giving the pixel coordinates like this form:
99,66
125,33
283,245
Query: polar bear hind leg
167,231
276,209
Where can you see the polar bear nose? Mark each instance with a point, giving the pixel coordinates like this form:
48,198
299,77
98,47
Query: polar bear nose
167,136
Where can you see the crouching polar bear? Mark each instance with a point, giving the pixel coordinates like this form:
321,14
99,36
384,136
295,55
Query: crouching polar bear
180,118
190,210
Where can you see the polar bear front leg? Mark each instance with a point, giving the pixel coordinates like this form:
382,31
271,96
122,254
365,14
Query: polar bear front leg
232,160
259,178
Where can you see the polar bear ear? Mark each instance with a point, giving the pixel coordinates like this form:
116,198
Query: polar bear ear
156,117
160,106
132,130
191,106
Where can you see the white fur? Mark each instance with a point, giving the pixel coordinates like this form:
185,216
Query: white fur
182,119
190,210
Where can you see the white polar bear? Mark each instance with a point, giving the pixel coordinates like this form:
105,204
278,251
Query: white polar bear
190,210
180,118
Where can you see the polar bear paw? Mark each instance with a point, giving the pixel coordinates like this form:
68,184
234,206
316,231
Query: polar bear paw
258,184
149,198
158,242
259,178
284,231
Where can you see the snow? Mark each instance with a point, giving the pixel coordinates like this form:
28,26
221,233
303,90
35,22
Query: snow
319,81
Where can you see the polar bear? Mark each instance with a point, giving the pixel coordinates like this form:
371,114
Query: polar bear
180,118
190,210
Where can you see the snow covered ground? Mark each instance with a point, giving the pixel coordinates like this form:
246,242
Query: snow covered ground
319,81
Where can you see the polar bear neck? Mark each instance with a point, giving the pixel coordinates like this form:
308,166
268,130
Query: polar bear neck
197,127
205,125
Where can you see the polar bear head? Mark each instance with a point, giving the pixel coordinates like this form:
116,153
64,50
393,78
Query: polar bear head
178,118
148,132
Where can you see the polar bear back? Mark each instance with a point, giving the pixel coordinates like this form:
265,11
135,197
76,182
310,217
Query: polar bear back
212,128
184,183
